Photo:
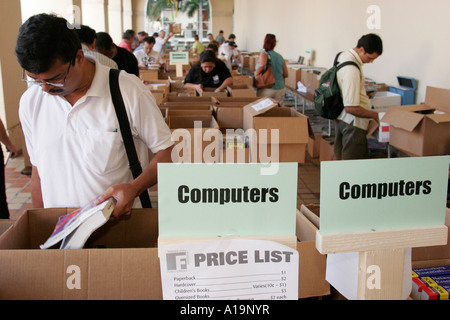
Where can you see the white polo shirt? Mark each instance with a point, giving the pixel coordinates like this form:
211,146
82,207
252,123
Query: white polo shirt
144,59
79,151
159,45
351,82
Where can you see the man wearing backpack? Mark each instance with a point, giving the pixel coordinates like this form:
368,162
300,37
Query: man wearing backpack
352,124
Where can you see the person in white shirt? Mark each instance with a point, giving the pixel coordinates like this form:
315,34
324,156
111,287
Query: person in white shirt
228,53
353,122
147,57
161,41
70,125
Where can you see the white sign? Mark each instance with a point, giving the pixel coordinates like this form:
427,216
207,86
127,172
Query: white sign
229,270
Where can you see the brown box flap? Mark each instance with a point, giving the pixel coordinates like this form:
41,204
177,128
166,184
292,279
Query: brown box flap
256,108
440,118
400,118
438,98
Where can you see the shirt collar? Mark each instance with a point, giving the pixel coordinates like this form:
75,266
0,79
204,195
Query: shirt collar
100,81
357,57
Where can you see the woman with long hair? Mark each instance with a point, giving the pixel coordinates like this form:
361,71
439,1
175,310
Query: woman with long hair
279,69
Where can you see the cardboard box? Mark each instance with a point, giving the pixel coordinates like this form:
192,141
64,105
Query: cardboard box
179,119
229,111
176,102
239,80
132,271
326,152
203,144
149,74
193,106
244,90
210,92
311,77
159,96
243,100
253,61
422,130
175,28
383,100
314,146
229,115
190,99
293,127
294,76
163,85
5,225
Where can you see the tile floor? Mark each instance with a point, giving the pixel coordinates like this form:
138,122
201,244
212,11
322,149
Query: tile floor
18,186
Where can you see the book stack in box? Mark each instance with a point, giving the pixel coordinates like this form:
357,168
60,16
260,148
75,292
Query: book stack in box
431,283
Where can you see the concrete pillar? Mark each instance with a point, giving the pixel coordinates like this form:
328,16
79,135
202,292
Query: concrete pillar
127,15
115,20
222,16
95,14
11,86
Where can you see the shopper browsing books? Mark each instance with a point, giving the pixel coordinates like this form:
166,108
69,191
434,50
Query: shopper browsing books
147,57
209,72
70,126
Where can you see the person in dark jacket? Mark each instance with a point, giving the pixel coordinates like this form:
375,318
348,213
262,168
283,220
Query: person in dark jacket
124,59
209,72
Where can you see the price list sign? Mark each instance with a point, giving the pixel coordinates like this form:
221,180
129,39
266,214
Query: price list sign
229,270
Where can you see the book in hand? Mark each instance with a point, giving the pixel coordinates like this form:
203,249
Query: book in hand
74,228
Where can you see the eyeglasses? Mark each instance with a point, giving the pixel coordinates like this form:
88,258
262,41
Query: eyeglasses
53,84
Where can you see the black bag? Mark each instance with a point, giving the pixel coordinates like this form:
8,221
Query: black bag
328,98
135,165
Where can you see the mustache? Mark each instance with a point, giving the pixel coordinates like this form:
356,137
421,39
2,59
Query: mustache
55,91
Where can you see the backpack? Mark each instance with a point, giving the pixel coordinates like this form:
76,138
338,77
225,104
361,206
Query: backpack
327,98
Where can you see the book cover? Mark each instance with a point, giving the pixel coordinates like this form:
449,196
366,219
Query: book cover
68,223
436,293
431,271
78,238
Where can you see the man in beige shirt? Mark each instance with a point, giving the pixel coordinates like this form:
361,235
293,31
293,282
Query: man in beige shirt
352,124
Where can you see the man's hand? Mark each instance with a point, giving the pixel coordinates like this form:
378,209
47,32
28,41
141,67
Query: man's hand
124,194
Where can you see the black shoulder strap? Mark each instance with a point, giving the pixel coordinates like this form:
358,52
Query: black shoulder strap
347,63
125,130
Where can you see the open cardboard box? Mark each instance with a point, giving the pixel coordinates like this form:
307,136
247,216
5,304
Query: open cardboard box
293,127
163,85
203,144
5,225
128,268
422,130
242,90
148,74
210,92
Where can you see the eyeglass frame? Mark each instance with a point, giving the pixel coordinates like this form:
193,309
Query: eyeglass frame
53,84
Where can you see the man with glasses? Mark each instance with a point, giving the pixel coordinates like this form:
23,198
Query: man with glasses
70,126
